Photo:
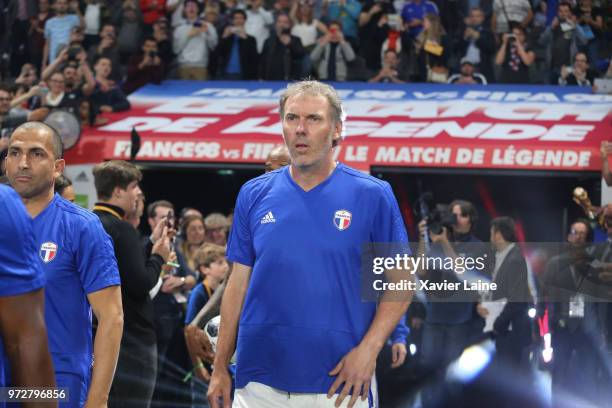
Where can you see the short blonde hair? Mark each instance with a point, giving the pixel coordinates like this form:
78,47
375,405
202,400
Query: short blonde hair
207,254
314,88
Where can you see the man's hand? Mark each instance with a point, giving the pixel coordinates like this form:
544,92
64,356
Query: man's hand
106,109
162,246
482,311
354,372
398,354
220,388
422,230
172,283
439,238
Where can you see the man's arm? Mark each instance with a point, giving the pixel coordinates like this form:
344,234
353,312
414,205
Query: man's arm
106,305
231,307
22,326
355,370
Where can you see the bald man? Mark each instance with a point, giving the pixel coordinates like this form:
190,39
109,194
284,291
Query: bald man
78,261
278,157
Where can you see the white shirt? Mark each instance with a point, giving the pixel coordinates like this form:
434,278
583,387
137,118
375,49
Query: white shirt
516,10
257,25
92,19
194,51
307,33
500,256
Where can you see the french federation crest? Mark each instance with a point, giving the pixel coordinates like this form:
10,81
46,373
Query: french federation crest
342,219
48,251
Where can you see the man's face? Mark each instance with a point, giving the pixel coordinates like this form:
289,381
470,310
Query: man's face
191,10
519,34
467,69
43,5
127,199
103,68
580,62
31,166
238,20
390,60
61,7
161,214
282,23
149,46
464,225
216,236
70,76
218,269
564,12
335,31
308,130
578,234
107,31
256,3
476,17
276,160
5,102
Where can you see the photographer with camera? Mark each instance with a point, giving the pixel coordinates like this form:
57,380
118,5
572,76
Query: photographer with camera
514,56
562,39
579,73
450,324
194,41
282,52
107,48
145,68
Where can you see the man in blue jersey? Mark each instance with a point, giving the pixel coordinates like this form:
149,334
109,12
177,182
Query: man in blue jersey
22,324
79,264
293,299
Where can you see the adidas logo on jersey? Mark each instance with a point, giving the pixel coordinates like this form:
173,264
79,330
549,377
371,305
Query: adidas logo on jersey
268,218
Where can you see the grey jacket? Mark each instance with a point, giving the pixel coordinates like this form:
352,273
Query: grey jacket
320,58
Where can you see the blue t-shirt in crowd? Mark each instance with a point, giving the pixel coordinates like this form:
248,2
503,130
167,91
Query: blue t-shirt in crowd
413,11
303,310
20,271
347,14
57,32
197,300
77,257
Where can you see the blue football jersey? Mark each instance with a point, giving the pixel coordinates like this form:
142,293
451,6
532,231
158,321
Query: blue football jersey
303,310
77,258
20,271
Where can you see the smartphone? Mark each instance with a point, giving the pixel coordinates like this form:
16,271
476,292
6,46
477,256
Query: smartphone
170,219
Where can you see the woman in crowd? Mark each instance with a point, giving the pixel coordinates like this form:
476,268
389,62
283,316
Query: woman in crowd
431,48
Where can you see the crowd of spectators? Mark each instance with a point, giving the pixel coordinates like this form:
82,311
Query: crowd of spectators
88,55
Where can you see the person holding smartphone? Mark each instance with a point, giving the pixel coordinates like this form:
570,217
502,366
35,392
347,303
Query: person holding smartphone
194,40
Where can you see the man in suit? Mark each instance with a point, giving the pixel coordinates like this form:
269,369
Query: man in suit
513,326
574,322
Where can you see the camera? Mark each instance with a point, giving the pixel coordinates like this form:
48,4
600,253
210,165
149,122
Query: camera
73,52
152,54
438,216
197,23
286,31
170,219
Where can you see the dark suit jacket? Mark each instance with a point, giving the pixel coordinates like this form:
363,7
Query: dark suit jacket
512,284
249,59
